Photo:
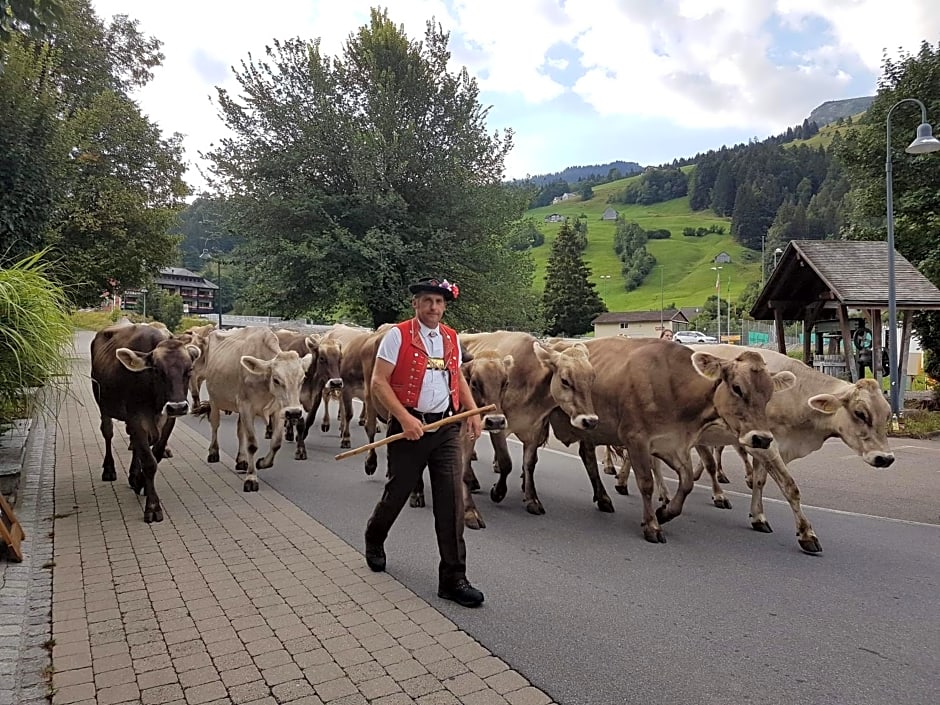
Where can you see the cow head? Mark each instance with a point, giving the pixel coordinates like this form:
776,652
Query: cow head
284,375
744,388
860,416
170,365
487,375
328,356
572,381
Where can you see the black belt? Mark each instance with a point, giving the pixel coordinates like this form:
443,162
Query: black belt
429,417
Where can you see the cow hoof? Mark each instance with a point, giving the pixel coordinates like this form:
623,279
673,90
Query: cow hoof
345,443
661,516
300,454
722,502
474,485
213,457
362,422
416,501
167,453
534,507
325,427
723,479
153,515
622,489
263,464
251,486
108,475
810,545
761,526
497,493
473,520
653,535
605,505
372,464
241,467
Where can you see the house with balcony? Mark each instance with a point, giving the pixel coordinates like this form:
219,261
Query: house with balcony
198,293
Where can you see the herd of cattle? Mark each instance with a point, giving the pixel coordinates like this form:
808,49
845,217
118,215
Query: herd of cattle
648,401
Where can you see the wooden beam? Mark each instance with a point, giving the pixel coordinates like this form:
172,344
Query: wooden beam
876,344
808,338
904,347
848,348
778,330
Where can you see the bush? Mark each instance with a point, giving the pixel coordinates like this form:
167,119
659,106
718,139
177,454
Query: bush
167,308
34,330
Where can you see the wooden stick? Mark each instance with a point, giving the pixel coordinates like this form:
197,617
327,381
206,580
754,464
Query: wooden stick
430,427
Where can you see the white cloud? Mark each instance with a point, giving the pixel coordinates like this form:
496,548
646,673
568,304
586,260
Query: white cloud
693,63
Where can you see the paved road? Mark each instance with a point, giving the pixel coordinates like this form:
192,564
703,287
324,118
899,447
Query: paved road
591,613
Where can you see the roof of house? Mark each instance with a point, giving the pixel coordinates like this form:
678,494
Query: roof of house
670,314
841,272
171,276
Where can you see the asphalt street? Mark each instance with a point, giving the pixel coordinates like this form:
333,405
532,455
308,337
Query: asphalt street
591,613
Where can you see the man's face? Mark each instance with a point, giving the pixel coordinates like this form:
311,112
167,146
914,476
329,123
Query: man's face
429,308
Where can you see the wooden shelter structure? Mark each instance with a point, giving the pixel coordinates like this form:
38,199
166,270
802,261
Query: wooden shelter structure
819,281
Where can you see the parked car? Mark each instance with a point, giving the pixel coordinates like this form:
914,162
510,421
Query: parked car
691,337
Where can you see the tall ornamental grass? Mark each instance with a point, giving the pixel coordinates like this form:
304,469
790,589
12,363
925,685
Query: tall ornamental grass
34,330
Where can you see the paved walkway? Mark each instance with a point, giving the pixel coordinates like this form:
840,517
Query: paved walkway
234,597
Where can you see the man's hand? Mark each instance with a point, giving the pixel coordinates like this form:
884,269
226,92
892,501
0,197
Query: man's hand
411,427
474,427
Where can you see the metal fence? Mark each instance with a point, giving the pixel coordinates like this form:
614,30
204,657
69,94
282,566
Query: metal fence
756,334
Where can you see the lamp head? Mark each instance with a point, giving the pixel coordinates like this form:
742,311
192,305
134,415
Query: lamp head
925,142
205,254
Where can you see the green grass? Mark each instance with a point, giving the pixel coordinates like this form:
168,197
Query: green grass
824,137
687,279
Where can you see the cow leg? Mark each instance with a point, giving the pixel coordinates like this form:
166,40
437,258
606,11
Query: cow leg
748,465
708,461
502,462
276,441
472,518
372,460
623,474
108,473
247,447
153,512
758,519
719,470
304,424
288,430
417,494
588,453
530,456
788,487
609,467
659,486
214,418
345,409
682,464
195,382
269,428
642,463
325,422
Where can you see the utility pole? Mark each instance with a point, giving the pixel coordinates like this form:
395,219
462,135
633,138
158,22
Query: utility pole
718,286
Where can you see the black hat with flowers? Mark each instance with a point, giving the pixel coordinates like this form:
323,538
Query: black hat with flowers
434,285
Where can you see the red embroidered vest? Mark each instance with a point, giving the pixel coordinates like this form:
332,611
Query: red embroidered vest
408,376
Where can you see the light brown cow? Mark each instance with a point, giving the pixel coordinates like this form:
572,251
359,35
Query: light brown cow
248,373
342,334
543,379
198,336
140,377
659,399
322,379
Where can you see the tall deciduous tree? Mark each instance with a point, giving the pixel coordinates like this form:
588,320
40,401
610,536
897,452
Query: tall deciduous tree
916,179
350,176
569,301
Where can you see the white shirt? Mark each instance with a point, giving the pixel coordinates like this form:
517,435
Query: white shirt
435,391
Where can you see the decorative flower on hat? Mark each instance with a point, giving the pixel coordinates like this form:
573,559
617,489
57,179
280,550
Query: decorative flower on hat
452,288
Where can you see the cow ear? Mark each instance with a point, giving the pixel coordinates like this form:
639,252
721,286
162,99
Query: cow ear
508,362
545,355
783,380
467,369
254,365
194,352
313,343
707,365
306,361
824,403
133,360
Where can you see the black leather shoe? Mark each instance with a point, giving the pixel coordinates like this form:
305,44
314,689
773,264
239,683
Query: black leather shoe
463,593
375,558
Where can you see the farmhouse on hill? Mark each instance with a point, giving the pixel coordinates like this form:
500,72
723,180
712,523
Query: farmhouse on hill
722,258
638,324
609,214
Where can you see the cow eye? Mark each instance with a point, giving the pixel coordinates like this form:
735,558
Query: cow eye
565,383
322,360
737,390
278,382
862,416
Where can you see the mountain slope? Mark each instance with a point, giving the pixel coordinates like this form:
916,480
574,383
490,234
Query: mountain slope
832,110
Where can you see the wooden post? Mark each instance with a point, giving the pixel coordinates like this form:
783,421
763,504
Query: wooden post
808,340
778,329
876,344
848,348
11,532
904,347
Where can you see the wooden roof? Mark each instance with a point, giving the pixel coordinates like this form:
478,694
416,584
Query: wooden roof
831,273
669,314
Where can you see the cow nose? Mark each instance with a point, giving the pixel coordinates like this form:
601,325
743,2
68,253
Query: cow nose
494,422
335,383
293,414
883,461
761,440
176,408
585,421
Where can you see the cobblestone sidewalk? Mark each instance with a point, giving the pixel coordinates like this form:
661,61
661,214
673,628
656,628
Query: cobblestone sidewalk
234,597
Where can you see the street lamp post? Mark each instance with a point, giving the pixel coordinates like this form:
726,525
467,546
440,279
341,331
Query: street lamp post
777,253
718,286
143,290
763,259
604,279
206,255
661,302
923,143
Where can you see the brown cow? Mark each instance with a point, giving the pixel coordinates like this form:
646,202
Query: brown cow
356,371
140,377
248,373
543,379
322,378
659,399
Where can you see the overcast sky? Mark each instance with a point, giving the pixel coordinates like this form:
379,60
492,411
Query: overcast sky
580,81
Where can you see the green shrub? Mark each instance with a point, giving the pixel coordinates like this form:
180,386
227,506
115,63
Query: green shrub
34,330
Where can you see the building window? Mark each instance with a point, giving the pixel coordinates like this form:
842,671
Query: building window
624,325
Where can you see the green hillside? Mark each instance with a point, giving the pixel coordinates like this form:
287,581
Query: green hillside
687,279
823,138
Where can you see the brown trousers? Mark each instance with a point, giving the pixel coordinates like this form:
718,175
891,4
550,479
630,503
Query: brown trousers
440,452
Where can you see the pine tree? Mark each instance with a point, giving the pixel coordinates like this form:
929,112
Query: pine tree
570,301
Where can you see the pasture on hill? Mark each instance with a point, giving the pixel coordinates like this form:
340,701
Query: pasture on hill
687,279
823,138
